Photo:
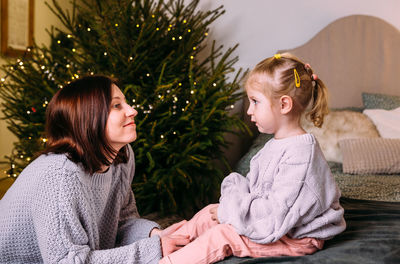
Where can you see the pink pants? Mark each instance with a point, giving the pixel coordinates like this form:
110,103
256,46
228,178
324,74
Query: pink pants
212,242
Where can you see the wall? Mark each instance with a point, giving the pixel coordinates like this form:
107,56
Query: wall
43,18
261,27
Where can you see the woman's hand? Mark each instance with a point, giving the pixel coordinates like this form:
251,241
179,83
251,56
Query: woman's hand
155,232
214,213
170,244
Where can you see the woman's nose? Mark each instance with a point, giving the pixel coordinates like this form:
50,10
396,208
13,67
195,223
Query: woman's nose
131,111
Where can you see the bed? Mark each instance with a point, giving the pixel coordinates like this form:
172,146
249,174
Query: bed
358,58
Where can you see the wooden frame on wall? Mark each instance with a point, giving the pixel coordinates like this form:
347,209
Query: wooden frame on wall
16,26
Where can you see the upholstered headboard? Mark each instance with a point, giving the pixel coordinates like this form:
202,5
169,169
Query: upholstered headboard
355,54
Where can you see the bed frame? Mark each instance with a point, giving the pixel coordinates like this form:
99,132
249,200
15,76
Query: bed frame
352,55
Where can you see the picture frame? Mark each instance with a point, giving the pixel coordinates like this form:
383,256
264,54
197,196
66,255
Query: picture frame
16,26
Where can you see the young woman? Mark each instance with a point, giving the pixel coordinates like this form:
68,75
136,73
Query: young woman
74,203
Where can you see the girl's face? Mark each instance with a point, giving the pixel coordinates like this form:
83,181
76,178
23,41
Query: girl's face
120,126
261,111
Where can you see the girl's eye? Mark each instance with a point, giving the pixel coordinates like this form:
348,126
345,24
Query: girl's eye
254,101
117,105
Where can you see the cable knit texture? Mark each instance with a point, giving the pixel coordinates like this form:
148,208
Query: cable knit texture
56,213
288,190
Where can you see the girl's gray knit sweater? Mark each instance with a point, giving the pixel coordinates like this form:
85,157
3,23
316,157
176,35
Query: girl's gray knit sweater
289,190
56,213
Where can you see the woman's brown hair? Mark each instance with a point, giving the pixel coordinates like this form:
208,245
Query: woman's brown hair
76,119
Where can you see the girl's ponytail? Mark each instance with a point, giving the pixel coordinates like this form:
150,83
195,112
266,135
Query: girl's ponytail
319,106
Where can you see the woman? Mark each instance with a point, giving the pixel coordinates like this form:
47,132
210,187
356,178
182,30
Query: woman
74,204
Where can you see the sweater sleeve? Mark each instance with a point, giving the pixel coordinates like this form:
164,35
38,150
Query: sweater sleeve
64,229
267,216
131,227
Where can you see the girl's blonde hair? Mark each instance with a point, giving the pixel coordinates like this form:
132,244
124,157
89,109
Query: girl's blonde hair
276,76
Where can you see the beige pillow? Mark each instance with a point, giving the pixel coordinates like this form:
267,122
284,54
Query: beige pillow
370,155
340,125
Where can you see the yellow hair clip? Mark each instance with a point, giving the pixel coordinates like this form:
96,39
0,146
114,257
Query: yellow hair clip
296,78
277,56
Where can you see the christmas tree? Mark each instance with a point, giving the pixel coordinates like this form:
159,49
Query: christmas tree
183,97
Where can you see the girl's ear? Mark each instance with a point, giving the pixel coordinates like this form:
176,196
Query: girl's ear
286,104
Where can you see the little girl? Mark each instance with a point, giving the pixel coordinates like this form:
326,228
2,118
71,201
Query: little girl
288,204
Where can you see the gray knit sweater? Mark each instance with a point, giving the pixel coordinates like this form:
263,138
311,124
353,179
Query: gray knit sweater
56,213
288,190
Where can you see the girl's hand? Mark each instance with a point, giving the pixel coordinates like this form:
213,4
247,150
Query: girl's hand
170,244
214,213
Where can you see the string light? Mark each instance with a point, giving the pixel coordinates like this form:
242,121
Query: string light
88,29
69,36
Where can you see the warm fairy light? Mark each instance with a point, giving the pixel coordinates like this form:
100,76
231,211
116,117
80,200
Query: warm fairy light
148,74
137,25
73,50
206,34
184,21
130,58
58,41
3,80
189,30
42,67
180,37
157,29
67,65
214,84
88,29
105,53
194,48
21,63
162,136
44,140
173,38
69,36
180,84
116,24
191,57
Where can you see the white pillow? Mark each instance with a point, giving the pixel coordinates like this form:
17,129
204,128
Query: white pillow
340,125
386,121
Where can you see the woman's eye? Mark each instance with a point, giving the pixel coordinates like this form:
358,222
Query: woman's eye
117,105
254,101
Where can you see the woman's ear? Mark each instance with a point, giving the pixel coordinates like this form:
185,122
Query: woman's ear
286,104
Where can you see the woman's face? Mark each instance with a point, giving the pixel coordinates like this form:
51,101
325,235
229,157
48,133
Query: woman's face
120,126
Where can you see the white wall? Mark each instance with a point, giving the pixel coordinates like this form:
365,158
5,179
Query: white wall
261,27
